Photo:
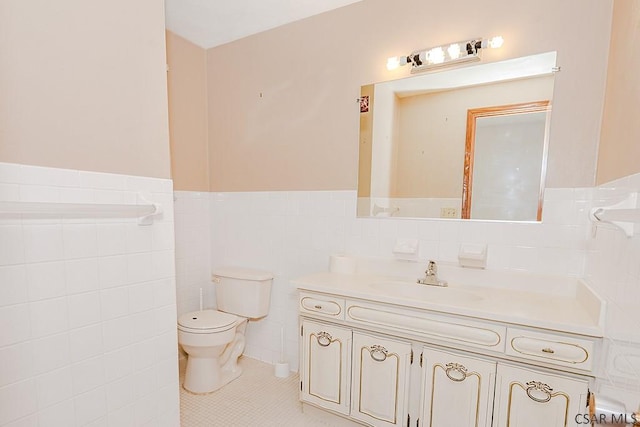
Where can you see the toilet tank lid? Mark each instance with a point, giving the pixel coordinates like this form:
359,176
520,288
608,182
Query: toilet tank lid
242,273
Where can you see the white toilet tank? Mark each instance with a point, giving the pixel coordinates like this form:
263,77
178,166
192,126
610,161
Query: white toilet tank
243,291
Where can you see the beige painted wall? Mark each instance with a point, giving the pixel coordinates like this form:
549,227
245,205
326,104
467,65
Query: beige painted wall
83,85
187,87
619,153
282,110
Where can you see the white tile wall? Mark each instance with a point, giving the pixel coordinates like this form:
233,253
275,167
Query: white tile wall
613,268
293,233
87,306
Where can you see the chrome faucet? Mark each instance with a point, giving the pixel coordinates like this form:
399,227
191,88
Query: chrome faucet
431,276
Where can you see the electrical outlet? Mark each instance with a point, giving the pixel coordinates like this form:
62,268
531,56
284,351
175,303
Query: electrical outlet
448,213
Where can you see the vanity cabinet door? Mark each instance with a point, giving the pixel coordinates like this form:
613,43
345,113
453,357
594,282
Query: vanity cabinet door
457,391
325,369
380,380
530,398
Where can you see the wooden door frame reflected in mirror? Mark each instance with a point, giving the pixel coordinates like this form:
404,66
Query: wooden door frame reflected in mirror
501,110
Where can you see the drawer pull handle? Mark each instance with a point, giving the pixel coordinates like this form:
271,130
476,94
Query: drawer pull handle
324,339
378,353
539,392
456,372
317,307
548,350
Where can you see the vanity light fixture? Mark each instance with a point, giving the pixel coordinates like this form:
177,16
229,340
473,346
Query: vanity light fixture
440,56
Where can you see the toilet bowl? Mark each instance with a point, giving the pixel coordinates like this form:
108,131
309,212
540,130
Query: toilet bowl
215,339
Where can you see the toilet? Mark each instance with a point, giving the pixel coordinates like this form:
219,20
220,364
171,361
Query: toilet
214,339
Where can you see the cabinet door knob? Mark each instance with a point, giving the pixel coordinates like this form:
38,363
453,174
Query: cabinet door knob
319,307
324,339
539,392
378,353
456,372
548,350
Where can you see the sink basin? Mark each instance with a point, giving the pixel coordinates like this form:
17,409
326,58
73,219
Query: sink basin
440,294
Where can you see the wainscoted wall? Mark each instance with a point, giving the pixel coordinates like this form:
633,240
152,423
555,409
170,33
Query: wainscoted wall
293,233
87,306
613,268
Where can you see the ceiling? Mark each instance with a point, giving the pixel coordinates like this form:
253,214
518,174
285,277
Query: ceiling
209,23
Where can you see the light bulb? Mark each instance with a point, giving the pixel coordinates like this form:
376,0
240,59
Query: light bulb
454,51
436,55
496,42
393,63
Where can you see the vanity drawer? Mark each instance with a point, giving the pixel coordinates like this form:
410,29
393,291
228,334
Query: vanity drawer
430,326
322,305
556,349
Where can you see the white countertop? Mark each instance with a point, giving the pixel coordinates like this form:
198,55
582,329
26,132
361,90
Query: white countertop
572,309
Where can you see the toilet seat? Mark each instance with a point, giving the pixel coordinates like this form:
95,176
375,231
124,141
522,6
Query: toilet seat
206,322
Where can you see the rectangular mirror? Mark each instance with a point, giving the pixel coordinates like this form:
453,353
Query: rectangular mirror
415,158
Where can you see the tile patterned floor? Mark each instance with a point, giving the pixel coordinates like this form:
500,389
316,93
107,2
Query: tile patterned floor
256,399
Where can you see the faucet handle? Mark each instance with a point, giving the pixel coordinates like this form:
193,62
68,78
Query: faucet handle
432,268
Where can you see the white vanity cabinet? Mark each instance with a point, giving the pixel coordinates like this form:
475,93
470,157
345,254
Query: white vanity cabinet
325,371
530,398
380,380
457,391
382,364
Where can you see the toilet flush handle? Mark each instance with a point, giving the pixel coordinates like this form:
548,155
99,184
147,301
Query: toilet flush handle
215,279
